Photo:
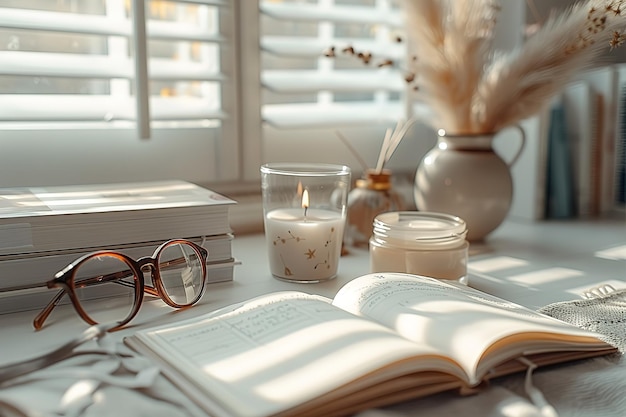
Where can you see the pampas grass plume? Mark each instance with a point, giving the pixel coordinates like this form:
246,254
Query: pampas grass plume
471,89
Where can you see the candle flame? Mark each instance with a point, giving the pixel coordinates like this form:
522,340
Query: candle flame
305,200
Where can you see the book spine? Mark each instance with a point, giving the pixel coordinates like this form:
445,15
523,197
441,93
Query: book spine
620,171
560,196
596,155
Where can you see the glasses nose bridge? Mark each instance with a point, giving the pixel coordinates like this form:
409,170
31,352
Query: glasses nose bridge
147,262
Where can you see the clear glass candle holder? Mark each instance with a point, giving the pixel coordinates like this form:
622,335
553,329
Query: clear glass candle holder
304,208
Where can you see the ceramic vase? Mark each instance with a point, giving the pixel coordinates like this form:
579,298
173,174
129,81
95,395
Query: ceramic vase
463,175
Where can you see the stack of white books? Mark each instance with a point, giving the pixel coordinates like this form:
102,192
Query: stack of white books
44,229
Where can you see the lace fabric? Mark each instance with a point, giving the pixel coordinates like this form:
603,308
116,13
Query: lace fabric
604,312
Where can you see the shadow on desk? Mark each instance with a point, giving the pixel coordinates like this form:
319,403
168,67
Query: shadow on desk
557,261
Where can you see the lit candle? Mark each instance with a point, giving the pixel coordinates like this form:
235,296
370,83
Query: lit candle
304,208
304,243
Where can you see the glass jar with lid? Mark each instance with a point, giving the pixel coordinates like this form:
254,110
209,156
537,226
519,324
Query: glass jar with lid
422,243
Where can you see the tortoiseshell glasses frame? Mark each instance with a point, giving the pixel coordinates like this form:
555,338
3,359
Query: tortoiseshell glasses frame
178,274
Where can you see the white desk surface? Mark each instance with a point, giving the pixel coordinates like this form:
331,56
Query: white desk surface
533,264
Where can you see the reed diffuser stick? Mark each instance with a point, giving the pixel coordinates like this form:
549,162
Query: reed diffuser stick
393,137
391,144
383,150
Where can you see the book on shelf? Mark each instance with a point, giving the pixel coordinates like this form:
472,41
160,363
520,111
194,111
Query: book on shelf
560,196
382,339
597,111
42,219
604,82
620,152
579,102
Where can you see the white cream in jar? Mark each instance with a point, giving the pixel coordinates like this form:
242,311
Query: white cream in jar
422,243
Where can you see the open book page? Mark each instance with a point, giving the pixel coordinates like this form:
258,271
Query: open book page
476,329
283,350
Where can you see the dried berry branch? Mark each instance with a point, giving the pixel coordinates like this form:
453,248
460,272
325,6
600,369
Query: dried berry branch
366,57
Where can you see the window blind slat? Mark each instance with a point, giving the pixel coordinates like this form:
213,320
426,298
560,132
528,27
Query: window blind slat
26,107
299,115
337,14
100,25
314,47
64,65
63,22
219,3
99,66
310,81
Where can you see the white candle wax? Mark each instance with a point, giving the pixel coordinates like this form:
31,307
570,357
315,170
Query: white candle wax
304,248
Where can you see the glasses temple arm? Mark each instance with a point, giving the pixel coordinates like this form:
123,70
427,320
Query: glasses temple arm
43,315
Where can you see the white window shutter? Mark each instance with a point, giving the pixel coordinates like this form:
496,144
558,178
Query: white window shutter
68,73
303,88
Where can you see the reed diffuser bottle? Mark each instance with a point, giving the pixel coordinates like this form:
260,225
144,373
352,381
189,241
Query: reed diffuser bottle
371,196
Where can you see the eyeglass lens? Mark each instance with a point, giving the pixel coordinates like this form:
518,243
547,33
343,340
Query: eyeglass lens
97,286
181,273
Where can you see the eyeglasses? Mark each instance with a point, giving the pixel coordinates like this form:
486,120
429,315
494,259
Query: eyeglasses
108,286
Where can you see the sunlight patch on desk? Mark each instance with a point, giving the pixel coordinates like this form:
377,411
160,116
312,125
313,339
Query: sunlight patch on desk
617,253
546,276
496,263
